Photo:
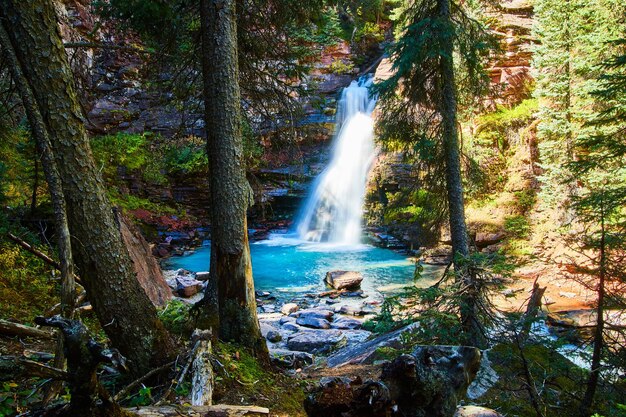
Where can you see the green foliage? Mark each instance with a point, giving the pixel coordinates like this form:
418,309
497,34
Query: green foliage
524,200
420,208
437,307
27,287
17,162
574,39
132,202
517,226
18,398
131,151
241,378
143,397
493,128
339,67
175,316
186,159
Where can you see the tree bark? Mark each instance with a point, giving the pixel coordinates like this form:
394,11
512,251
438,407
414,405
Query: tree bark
454,184
127,315
231,267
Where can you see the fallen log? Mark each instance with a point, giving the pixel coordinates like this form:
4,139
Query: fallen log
9,328
13,367
202,370
219,410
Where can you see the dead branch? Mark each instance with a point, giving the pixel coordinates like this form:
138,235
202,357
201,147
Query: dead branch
16,329
44,257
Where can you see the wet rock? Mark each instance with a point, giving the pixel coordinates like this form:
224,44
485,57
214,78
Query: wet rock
366,352
316,341
290,359
474,411
346,323
350,310
187,286
341,280
314,322
273,336
202,276
291,327
315,313
284,320
269,308
289,308
262,294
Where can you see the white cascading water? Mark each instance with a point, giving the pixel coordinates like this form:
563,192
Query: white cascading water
333,211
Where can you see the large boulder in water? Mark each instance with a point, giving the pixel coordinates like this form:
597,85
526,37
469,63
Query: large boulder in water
344,280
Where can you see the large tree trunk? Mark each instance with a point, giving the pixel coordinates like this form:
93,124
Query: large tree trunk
231,267
64,244
127,315
454,184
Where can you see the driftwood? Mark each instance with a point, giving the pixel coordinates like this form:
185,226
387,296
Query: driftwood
202,370
84,355
15,329
206,411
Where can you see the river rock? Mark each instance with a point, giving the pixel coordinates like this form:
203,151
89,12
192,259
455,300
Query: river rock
346,323
290,359
291,327
286,319
289,308
315,313
474,411
350,310
367,352
314,322
316,341
202,276
187,286
341,280
273,336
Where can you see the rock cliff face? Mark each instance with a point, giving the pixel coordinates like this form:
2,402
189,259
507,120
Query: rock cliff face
511,73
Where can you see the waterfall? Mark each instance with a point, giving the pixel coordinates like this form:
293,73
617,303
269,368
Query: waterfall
333,210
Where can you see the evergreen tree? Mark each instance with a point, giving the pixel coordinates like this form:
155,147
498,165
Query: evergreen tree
441,48
572,42
601,171
231,265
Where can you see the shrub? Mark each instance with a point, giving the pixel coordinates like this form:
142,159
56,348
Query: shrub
517,226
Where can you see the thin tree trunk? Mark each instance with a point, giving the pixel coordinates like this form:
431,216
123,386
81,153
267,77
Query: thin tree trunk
454,184
598,336
127,315
33,198
231,267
